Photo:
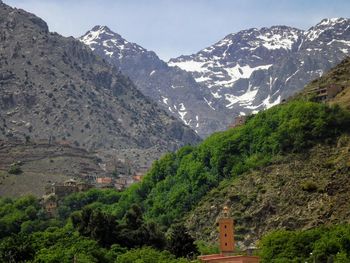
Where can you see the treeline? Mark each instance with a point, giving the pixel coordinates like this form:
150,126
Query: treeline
321,244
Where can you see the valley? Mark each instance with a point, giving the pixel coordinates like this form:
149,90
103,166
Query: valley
238,152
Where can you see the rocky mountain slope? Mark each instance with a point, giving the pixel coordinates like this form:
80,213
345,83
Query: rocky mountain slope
54,89
299,191
172,88
257,68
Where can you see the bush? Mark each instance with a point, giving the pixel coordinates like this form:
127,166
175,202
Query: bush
309,186
15,169
206,248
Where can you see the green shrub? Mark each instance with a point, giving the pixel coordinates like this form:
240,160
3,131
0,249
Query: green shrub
207,248
15,169
309,186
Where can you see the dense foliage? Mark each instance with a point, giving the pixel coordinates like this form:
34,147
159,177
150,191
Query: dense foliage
88,235
23,215
323,244
105,229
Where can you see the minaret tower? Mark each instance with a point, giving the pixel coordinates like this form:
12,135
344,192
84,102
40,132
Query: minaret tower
226,233
227,244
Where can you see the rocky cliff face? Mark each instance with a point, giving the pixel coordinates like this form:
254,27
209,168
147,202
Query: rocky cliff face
241,74
55,89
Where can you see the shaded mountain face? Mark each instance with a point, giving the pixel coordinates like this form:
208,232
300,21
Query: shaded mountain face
172,88
256,68
55,89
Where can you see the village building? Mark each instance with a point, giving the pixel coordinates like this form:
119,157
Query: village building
137,177
322,94
67,187
227,245
49,203
123,182
56,191
239,121
104,180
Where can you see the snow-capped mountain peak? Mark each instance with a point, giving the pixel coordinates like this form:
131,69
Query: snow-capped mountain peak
96,33
328,24
113,44
256,68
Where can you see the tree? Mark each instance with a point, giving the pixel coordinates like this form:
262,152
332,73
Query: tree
97,225
181,243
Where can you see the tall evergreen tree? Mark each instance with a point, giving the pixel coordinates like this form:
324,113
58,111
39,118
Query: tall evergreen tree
181,243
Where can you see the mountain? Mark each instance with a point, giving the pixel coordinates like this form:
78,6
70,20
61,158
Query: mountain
255,69
241,74
286,168
236,69
172,88
54,89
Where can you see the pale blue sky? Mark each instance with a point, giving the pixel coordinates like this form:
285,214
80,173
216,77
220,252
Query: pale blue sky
175,27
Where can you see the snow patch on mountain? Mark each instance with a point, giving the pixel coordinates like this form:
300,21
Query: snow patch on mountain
277,41
245,99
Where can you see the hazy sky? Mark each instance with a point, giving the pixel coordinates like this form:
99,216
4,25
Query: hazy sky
176,27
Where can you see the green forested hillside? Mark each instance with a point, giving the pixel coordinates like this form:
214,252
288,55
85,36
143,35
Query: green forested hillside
177,182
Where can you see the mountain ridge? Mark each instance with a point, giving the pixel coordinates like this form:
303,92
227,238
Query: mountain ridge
277,52
242,73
